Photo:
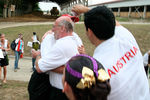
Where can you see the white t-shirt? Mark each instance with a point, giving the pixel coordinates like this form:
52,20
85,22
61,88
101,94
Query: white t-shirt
122,59
57,53
49,41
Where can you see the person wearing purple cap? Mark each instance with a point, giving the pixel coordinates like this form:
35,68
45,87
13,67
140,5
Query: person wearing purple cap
84,78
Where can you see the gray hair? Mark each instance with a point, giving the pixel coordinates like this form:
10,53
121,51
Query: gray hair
68,25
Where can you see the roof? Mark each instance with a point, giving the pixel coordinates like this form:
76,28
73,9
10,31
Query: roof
129,4
125,3
60,2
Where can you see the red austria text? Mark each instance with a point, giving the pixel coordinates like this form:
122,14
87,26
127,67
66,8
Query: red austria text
122,61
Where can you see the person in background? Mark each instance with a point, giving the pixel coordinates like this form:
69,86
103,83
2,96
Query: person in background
4,62
18,50
36,47
84,78
118,52
146,59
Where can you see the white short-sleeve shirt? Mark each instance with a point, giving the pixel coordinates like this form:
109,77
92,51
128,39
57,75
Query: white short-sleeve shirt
122,59
60,52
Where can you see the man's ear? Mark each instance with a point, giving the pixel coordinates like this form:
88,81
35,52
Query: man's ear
63,29
90,32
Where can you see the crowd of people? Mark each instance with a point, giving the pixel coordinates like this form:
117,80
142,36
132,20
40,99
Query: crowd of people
63,71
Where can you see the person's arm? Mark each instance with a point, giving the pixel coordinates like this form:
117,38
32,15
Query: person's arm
81,50
79,9
36,64
52,61
22,46
35,53
8,46
59,69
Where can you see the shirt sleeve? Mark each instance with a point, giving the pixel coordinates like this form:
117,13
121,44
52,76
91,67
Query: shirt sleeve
54,59
16,41
78,39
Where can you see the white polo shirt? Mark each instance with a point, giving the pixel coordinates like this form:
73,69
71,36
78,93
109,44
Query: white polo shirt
123,61
62,50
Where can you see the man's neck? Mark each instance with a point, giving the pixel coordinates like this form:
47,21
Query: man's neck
66,34
98,42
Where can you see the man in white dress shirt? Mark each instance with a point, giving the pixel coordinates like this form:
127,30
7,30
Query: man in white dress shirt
65,46
118,52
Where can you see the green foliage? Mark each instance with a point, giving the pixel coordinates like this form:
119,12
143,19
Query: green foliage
36,7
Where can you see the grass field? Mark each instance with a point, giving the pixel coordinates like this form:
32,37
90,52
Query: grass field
16,90
140,31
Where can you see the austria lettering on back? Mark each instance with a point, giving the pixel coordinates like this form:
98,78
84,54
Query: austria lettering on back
122,61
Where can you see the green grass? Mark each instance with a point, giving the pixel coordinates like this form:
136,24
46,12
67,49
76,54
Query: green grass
141,33
122,19
12,33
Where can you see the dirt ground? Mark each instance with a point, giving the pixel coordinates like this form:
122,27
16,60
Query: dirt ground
29,18
22,74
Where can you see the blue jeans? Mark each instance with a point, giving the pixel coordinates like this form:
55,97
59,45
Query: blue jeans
33,63
17,56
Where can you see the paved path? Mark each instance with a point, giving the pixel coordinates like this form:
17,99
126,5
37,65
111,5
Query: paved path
22,74
15,24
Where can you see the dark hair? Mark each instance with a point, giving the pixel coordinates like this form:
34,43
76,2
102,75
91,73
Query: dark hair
98,91
20,34
2,34
34,33
101,21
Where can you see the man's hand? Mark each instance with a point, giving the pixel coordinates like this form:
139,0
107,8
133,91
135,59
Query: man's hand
81,49
36,64
35,53
79,9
